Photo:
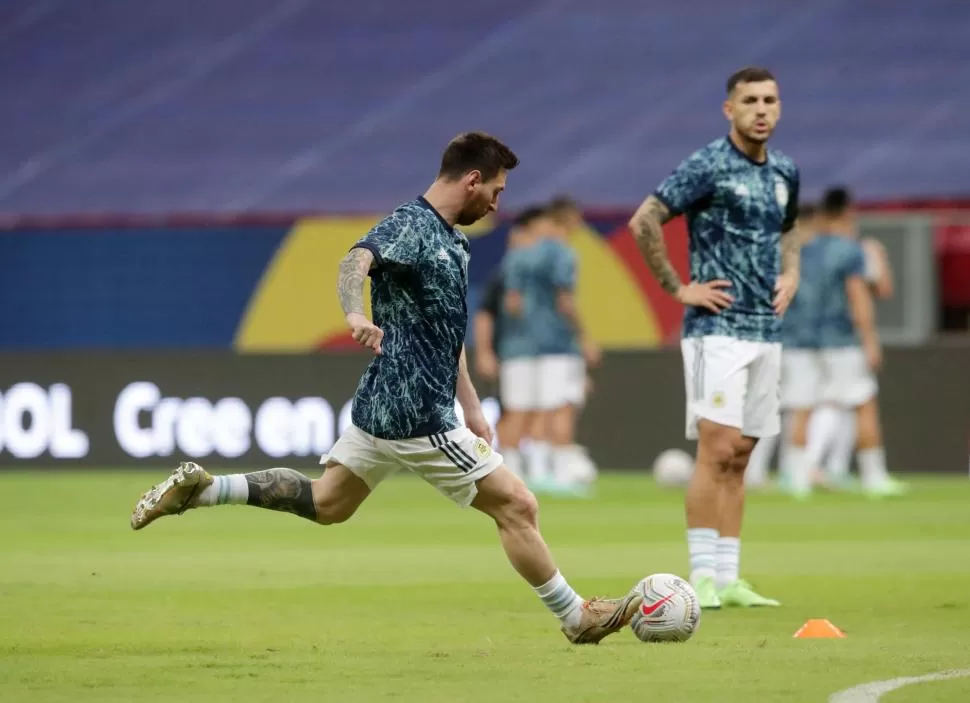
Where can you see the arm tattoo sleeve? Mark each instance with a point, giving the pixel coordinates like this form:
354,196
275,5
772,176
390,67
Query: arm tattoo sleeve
647,227
790,251
285,490
350,283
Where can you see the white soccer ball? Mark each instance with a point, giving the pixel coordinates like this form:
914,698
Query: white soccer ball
670,611
673,467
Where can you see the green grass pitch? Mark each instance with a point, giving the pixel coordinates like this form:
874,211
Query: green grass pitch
412,600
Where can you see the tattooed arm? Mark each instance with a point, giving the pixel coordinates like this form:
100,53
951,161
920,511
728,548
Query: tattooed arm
350,288
791,245
350,283
647,227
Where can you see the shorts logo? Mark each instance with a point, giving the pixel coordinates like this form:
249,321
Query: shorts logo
717,400
482,448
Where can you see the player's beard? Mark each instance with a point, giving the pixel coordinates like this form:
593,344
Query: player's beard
472,213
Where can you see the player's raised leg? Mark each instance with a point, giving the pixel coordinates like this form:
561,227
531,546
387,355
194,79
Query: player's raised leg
332,498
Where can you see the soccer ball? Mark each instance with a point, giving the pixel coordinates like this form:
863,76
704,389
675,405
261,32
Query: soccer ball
669,612
673,467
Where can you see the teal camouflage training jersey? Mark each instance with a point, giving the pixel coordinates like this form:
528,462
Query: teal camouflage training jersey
799,326
419,284
539,273
838,259
736,211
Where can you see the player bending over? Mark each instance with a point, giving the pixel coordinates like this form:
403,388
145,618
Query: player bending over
740,199
404,408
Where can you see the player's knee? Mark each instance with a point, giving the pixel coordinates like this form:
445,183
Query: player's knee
523,508
721,450
332,513
332,509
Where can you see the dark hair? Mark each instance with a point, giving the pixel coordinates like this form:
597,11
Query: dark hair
562,203
836,200
528,215
748,74
476,151
806,210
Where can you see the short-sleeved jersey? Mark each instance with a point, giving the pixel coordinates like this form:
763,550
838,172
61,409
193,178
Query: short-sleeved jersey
737,210
799,326
419,284
842,258
540,273
819,316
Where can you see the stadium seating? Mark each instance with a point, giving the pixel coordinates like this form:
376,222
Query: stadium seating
233,105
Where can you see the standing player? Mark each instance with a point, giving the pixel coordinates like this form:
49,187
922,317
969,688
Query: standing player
832,429
488,346
797,388
577,465
849,350
517,358
740,199
404,409
540,282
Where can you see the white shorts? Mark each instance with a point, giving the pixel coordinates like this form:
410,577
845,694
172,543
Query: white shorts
543,382
451,462
836,376
847,379
733,382
801,378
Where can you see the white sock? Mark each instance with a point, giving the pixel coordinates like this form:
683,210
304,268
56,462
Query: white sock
799,469
822,428
561,599
840,455
872,466
702,546
539,461
230,489
513,460
757,472
728,560
563,459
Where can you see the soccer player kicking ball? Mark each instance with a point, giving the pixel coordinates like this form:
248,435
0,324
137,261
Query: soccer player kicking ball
404,408
740,199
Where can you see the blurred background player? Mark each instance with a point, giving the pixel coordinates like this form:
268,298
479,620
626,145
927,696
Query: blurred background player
516,354
579,466
798,340
740,199
832,430
488,347
839,303
543,371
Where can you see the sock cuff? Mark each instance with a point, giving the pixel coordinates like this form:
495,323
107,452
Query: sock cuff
702,533
729,542
551,585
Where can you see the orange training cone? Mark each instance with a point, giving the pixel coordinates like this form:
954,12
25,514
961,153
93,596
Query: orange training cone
818,629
